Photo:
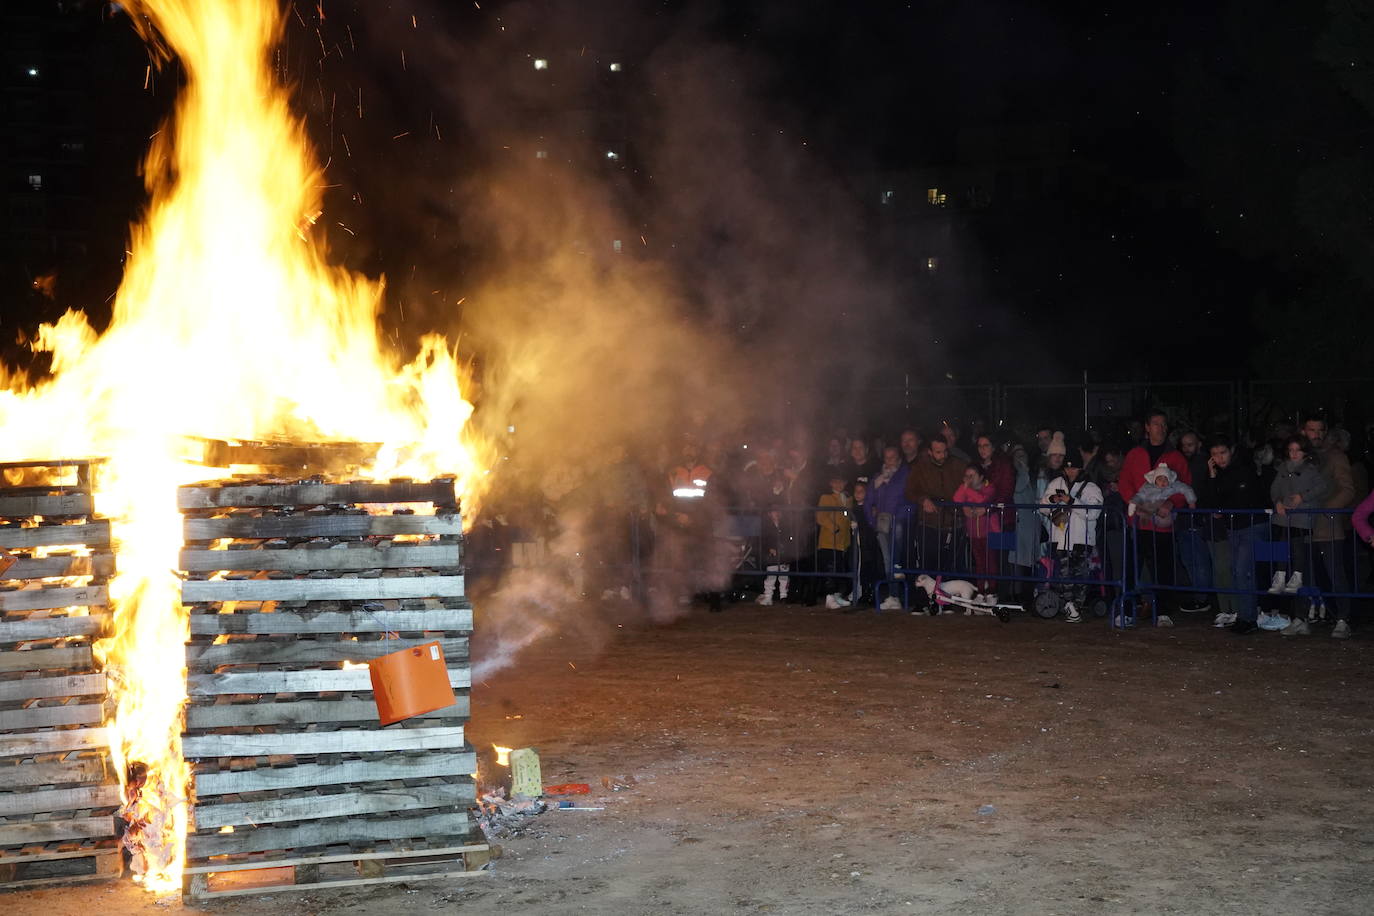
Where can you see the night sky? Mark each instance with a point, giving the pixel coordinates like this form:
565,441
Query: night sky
1183,190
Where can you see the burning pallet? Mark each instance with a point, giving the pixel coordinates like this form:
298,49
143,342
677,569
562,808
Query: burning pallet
58,791
296,786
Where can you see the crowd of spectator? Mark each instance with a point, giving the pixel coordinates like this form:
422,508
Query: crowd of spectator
841,523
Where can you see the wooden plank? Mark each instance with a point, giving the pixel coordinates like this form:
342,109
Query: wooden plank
443,619
71,685
355,680
205,894
79,463
75,739
350,804
48,504
107,864
11,857
353,741
59,800
37,599
80,770
305,526
312,651
328,859
311,493
101,565
52,627
51,831
321,589
321,833
46,659
273,779
301,712
398,556
89,534
48,716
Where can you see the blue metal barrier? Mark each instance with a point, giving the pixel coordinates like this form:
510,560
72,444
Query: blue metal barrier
940,546
1131,571
733,543
1316,545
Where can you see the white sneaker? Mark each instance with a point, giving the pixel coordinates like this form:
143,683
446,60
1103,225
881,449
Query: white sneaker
1164,620
1342,630
1276,587
1224,620
763,601
1298,627
1278,622
832,603
841,601
891,603
1071,614
1294,583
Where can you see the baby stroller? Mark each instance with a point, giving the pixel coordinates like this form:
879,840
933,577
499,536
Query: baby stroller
1052,594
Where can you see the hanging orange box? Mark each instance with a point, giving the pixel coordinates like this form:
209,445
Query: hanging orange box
410,683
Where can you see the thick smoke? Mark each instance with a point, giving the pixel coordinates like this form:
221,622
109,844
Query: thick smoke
738,299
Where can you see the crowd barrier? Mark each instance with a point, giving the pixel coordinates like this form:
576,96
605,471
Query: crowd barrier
1222,560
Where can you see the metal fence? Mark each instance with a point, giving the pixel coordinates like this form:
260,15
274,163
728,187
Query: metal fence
1211,406
1304,563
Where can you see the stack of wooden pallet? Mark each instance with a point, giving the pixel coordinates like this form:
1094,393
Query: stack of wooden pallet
292,584
58,790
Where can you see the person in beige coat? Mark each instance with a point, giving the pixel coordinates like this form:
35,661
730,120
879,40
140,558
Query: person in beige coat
1329,529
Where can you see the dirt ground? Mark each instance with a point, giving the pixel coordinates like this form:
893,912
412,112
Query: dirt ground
797,760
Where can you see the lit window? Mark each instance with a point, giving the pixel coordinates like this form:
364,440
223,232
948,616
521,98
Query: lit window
932,265
541,64
615,68
616,245
33,71
889,196
541,154
36,182
935,197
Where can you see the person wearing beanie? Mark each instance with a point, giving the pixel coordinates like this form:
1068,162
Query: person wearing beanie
1073,531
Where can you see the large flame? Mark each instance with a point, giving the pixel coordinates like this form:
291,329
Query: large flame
229,323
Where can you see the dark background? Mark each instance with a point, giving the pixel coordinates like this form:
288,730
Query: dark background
1181,190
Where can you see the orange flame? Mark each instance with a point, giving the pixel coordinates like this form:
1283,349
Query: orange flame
229,323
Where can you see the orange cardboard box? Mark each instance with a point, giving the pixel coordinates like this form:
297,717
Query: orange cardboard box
410,683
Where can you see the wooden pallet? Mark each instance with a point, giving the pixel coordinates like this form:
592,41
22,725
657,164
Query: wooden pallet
294,781
58,789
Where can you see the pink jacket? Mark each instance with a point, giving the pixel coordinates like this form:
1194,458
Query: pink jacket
1362,513
981,525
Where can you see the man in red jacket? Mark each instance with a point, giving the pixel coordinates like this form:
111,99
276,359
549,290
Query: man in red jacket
1154,534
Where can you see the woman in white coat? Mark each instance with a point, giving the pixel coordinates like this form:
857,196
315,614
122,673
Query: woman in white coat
1073,505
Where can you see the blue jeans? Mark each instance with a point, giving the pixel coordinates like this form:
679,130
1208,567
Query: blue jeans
1193,552
1329,553
1242,542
